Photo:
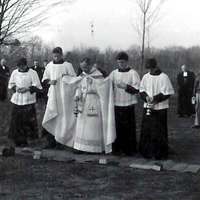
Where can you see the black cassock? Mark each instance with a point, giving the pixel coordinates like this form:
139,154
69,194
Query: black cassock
185,93
154,130
125,126
23,124
4,74
154,135
125,130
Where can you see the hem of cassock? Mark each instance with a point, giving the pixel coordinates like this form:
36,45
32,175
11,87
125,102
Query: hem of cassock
87,148
154,135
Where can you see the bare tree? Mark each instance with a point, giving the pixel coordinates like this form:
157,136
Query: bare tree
19,16
149,14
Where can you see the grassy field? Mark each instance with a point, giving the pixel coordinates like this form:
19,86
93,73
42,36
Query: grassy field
25,179
22,178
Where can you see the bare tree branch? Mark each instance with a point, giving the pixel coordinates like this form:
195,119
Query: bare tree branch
19,16
149,12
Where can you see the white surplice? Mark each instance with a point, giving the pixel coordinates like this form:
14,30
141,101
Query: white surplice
57,71
154,85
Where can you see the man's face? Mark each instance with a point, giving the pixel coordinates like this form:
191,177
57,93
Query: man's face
36,63
122,64
183,68
57,57
96,65
45,63
3,62
22,67
147,65
85,67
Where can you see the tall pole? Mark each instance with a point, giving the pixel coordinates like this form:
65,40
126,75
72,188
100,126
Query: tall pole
92,32
92,29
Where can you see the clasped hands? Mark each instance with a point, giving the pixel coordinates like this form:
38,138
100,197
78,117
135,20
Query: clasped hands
22,89
122,85
150,102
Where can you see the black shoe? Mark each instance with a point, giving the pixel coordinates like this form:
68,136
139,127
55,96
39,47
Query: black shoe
21,144
196,126
161,157
59,146
146,156
130,154
50,146
8,151
117,153
78,152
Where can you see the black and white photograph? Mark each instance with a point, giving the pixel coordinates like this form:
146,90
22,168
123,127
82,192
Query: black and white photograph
99,100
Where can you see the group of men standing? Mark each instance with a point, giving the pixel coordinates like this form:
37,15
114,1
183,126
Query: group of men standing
91,113
94,114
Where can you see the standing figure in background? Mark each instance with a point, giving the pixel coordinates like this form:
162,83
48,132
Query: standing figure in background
196,98
126,82
40,71
4,76
44,85
45,63
55,70
185,81
25,83
155,90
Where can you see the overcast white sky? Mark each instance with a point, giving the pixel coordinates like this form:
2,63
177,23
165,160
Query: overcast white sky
69,26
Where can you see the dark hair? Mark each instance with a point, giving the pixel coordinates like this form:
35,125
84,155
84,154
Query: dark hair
58,50
151,63
122,56
87,60
99,61
21,62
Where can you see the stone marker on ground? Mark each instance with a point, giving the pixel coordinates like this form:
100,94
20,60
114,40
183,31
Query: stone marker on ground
179,167
192,168
147,166
37,155
86,158
140,163
168,164
103,161
127,161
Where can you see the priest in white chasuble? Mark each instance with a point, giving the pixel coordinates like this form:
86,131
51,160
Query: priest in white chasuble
81,114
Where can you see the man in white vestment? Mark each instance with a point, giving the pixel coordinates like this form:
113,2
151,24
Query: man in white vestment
81,111
54,71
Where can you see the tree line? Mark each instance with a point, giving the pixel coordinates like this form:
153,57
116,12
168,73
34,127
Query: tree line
170,59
